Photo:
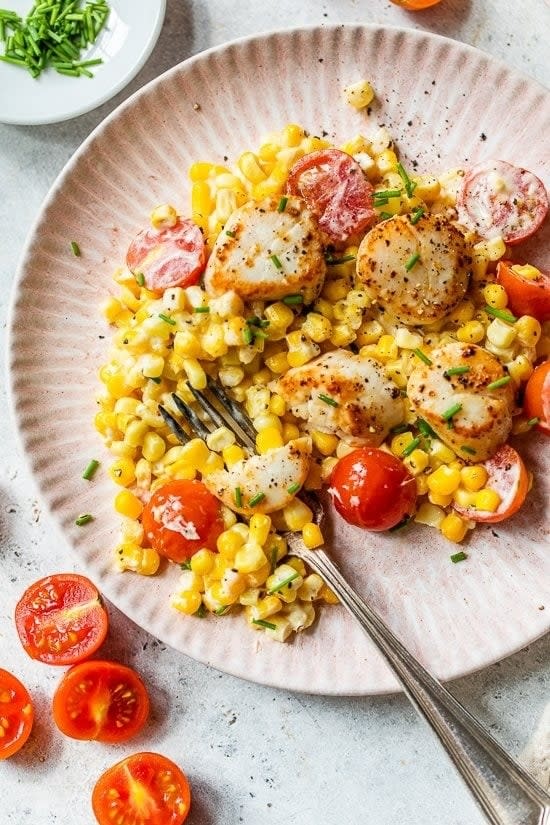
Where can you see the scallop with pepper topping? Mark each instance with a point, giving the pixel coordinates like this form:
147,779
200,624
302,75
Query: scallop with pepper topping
418,272
466,397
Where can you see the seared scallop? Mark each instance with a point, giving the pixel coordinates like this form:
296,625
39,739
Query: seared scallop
263,479
265,252
416,272
465,409
344,394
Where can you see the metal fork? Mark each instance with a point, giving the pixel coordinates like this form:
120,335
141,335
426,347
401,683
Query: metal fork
506,793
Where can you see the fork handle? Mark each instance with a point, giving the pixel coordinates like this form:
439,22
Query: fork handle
507,794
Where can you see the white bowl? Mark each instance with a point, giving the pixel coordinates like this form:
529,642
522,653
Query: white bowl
455,617
124,45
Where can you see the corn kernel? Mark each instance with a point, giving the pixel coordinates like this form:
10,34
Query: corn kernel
342,335
427,187
324,307
292,135
202,562
312,535
142,560
369,332
327,466
474,478
187,601
335,290
250,558
259,576
421,485
328,596
439,499
527,271
202,203
463,313
317,327
453,527
528,330
259,528
471,333
219,439
164,217
386,348
488,500
464,498
520,369
429,514
439,451
264,608
359,94
232,455
324,442
278,546
444,481
277,363
495,295
417,461
127,504
195,373
296,514
399,442
493,249
228,543
311,588
123,472
290,432
500,333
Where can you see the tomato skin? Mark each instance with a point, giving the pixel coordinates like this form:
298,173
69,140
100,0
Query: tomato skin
147,788
508,476
190,508
525,296
536,400
61,619
168,257
415,5
333,185
101,700
373,489
16,714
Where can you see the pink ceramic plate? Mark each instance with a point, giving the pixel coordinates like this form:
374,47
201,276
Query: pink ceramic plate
447,105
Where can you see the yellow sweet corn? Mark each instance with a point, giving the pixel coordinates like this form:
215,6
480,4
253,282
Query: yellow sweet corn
312,535
474,478
471,333
127,504
296,515
487,499
444,481
202,562
232,455
270,438
359,95
453,527
528,330
495,296
326,443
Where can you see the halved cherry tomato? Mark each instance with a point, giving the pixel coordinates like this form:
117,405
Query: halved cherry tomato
415,5
508,477
16,714
180,518
497,198
373,489
61,619
101,700
168,257
143,789
526,296
333,185
536,401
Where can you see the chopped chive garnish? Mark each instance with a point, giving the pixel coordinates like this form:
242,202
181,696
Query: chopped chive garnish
263,623
417,214
200,612
256,499
409,185
85,518
276,261
456,371
293,300
294,488
167,319
230,233
385,215
401,428
500,382
331,261
469,450
221,610
533,421
76,249
387,193
400,525
411,447
425,428
460,556
248,336
238,496
448,414
257,322
380,202
282,204
423,357
413,260
282,584
201,309
503,314
259,333
328,400
185,565
90,469
140,278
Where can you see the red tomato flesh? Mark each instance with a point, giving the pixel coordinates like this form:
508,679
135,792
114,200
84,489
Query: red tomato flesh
168,257
333,185
61,619
372,489
101,700
498,198
526,296
143,789
508,476
536,400
16,714
180,518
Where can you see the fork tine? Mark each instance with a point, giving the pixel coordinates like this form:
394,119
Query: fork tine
223,416
232,407
191,417
174,425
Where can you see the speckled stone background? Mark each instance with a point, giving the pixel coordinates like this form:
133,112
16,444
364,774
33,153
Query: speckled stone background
253,755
